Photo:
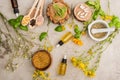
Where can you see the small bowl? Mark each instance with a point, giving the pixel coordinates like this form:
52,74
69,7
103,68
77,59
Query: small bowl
40,58
82,14
90,27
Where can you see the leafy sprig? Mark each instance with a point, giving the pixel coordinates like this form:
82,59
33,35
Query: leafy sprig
16,23
115,22
77,32
97,8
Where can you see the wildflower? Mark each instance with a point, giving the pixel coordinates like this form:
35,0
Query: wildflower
74,61
90,73
77,41
38,75
50,48
82,66
107,17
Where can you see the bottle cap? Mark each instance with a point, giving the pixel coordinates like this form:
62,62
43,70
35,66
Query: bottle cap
59,43
64,60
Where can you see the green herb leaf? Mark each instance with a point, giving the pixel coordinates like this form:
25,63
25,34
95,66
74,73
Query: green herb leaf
76,29
17,23
25,28
42,36
102,13
13,22
19,18
59,28
90,3
96,14
111,24
115,22
77,36
117,25
96,5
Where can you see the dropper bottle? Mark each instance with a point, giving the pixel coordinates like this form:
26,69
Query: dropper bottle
15,7
63,66
68,36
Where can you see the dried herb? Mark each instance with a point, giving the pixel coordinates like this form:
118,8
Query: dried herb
59,11
15,42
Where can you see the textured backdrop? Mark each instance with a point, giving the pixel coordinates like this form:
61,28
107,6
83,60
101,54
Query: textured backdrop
110,61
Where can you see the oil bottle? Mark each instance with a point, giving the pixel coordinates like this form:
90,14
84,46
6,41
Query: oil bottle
68,36
63,66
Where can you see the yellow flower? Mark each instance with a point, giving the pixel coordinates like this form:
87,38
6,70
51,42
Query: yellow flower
34,75
82,66
73,59
75,64
107,17
50,48
77,41
90,73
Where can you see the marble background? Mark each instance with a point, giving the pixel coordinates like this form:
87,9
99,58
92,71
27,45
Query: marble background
110,61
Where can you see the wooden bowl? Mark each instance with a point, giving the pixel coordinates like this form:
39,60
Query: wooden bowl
41,60
82,12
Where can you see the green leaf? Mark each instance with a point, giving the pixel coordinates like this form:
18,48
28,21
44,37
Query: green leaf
17,25
101,12
115,20
111,24
19,18
76,26
90,3
96,14
77,36
25,28
59,28
42,36
76,29
117,25
12,22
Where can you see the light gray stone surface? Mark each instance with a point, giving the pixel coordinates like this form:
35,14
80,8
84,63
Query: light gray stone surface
110,61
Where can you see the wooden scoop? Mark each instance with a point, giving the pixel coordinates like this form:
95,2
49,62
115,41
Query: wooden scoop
26,18
40,18
33,20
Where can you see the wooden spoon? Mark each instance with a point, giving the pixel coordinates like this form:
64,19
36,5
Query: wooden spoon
33,20
26,18
40,18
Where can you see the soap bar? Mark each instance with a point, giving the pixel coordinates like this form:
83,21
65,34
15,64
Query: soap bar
82,12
